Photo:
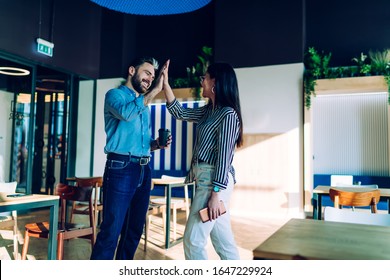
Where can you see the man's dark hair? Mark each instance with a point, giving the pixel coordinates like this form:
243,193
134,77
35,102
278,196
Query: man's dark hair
141,60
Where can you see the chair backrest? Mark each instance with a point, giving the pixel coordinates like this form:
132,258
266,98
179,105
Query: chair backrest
95,182
356,217
166,177
89,181
73,193
355,197
180,179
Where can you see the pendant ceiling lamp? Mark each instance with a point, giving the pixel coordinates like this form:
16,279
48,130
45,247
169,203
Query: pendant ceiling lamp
153,7
14,71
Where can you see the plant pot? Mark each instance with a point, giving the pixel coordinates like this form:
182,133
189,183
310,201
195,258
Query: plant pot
351,85
180,93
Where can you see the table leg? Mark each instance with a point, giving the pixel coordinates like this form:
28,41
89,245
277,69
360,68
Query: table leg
193,191
388,205
52,242
168,217
314,202
319,206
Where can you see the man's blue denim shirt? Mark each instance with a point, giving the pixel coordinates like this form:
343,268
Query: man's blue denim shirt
127,123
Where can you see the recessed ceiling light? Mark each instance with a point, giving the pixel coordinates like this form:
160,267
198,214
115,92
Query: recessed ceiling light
13,71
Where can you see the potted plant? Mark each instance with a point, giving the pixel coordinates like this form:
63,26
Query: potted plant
363,66
376,63
380,62
192,80
316,67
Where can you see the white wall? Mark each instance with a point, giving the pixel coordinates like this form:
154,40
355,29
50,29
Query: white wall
269,168
85,134
84,129
271,97
100,136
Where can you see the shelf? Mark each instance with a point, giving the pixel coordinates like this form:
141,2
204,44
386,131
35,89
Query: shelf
351,85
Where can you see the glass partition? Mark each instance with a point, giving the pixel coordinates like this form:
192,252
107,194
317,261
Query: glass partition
51,134
34,117
15,96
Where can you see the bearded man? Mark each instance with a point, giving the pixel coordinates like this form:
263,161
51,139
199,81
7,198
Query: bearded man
127,174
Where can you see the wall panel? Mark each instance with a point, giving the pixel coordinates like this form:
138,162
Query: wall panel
350,134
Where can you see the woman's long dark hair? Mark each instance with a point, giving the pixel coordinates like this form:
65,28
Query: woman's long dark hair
226,90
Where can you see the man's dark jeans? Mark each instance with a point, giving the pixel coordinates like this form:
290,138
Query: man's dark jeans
126,191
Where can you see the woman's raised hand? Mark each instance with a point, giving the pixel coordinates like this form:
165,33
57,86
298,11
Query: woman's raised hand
169,96
165,71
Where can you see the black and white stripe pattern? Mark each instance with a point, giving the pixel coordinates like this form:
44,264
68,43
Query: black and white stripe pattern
216,136
177,158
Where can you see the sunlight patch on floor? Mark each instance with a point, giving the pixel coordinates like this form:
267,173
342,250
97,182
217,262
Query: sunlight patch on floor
4,254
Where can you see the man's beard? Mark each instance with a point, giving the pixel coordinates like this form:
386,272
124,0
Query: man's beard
136,82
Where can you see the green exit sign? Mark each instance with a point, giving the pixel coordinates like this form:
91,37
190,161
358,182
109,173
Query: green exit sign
45,47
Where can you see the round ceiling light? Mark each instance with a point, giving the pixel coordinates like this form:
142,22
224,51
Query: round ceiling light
13,71
153,7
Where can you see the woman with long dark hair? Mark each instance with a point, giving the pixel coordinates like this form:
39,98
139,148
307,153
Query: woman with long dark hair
219,132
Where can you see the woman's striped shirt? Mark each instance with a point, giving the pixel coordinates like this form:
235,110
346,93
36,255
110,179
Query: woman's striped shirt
216,136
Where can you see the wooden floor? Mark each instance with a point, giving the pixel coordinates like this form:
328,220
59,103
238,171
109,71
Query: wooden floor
249,233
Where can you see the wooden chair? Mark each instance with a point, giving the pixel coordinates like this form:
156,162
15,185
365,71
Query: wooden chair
355,197
81,208
10,219
176,204
356,186
356,217
66,231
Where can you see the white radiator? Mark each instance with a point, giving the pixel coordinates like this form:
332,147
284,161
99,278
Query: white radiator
350,134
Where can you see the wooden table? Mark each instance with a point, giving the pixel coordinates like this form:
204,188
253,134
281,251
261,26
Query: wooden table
38,201
324,240
321,191
169,184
